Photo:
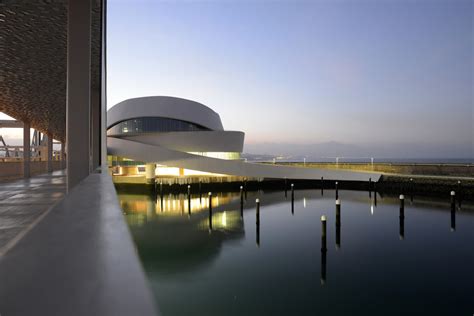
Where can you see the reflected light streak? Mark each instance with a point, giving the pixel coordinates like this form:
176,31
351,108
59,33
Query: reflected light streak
224,219
172,204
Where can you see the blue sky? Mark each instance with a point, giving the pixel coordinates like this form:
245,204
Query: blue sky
371,73
355,72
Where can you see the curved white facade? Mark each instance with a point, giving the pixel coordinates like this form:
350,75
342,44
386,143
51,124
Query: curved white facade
205,141
185,134
162,106
173,123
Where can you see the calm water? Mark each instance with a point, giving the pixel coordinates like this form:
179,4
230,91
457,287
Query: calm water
422,266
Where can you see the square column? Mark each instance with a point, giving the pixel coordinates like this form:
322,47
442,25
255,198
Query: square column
26,150
49,150
95,129
150,173
62,156
43,150
78,91
103,86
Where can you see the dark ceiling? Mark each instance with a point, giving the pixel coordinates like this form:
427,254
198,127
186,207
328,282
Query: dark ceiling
33,62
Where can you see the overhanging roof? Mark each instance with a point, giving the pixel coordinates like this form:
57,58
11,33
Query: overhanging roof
33,63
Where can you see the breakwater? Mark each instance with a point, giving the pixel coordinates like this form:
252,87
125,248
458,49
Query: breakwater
425,169
389,184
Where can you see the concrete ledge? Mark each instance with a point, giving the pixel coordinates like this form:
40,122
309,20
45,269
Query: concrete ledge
79,260
14,169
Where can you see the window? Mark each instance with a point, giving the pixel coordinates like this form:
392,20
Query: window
153,124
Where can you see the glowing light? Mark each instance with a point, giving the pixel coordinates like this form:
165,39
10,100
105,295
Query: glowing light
224,219
167,171
304,202
190,172
371,210
162,170
174,205
219,155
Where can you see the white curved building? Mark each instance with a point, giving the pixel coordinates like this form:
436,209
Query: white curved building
184,137
176,124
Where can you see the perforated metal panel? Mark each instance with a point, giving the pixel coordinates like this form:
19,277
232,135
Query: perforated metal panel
33,55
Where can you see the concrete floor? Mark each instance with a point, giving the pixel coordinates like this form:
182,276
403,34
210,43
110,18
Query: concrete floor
24,202
78,258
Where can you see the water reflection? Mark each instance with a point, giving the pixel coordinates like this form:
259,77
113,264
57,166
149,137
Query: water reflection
225,270
323,267
183,241
172,204
292,205
189,200
402,228
210,211
453,217
257,235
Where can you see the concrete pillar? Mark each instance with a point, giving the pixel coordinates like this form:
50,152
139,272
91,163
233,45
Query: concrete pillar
95,129
49,149
150,173
63,165
78,91
103,84
43,142
26,149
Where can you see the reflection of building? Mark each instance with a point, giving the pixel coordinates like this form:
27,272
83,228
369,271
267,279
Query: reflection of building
167,239
183,138
171,205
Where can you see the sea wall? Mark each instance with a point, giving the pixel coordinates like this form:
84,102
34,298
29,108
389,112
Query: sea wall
393,185
439,186
453,170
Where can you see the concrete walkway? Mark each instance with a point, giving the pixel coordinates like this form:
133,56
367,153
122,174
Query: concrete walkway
79,259
24,202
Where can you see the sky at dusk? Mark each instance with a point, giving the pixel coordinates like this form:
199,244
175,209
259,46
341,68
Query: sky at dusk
371,74
304,72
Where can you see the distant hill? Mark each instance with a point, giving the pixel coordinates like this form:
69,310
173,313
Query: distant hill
330,150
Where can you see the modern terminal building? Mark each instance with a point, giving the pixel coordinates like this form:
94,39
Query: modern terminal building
163,136
175,127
